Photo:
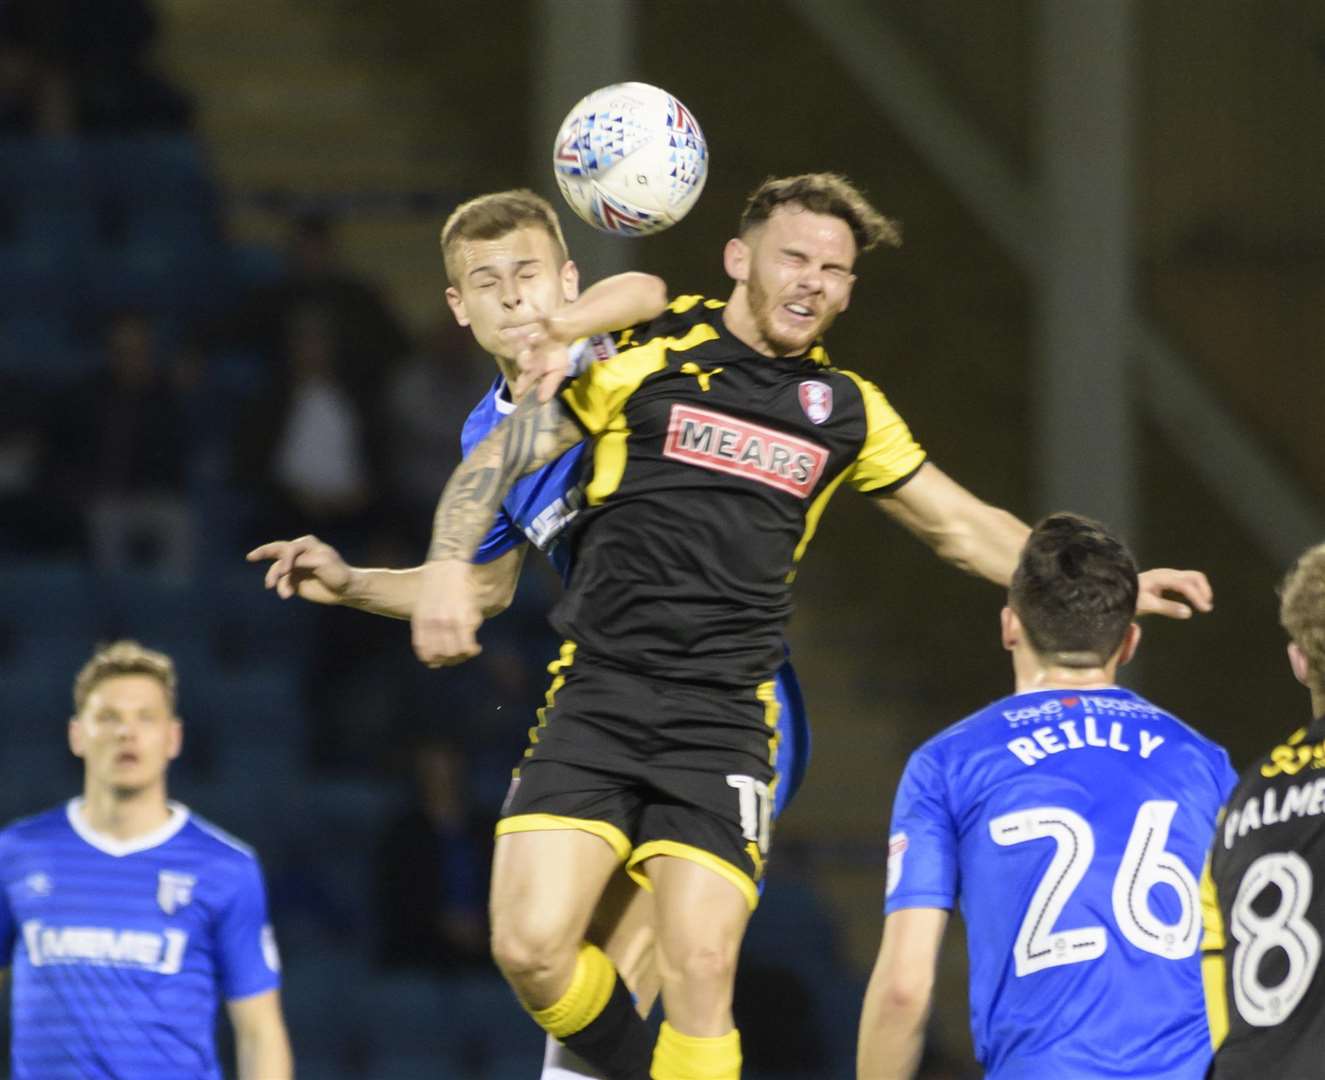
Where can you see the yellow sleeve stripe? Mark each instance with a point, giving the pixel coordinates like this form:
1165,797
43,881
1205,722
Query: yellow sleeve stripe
598,394
1212,961
600,391
682,304
1211,917
889,452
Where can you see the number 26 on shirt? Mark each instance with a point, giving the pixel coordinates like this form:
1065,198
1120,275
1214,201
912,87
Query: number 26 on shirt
1144,865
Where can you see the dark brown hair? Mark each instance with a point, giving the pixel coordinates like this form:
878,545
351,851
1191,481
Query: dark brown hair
823,193
1074,590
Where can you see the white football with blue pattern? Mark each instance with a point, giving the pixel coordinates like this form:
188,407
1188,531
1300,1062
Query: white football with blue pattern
630,159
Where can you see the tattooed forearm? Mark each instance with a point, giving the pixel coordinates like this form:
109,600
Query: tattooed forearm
529,438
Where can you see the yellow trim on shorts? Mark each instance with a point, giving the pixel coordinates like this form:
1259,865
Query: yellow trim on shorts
557,668
605,830
675,848
767,693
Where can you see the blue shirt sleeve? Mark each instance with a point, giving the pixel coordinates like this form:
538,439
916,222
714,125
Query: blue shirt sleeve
1227,776
247,959
6,915
922,845
503,536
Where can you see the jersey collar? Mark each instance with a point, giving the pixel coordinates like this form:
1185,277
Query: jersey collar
501,397
110,845
816,354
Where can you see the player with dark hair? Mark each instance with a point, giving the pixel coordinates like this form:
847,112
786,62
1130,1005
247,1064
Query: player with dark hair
1070,821
1264,889
719,432
124,916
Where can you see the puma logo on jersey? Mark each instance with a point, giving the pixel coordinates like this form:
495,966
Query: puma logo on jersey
725,444
691,368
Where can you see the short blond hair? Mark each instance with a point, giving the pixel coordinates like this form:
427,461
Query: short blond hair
1302,610
823,193
124,657
491,216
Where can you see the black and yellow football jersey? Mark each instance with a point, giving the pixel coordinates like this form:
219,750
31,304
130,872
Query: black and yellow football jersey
1264,901
711,466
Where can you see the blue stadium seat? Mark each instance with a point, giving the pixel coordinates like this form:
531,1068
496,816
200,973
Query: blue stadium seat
165,276
494,1023
43,603
42,350
391,1064
794,931
252,625
46,193
38,279
253,266
405,1013
160,612
255,723
152,171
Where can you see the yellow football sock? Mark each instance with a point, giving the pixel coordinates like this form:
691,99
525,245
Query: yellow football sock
691,1057
589,991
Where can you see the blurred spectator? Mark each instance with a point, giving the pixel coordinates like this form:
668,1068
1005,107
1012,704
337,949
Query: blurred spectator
371,339
432,867
83,65
308,448
426,403
121,453
36,96
31,522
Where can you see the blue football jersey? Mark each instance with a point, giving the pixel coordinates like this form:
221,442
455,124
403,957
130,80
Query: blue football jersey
541,505
1072,828
120,951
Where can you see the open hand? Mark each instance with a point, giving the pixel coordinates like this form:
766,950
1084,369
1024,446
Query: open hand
1191,585
305,567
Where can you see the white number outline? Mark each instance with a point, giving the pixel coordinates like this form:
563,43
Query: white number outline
1258,1004
1037,946
756,809
1145,863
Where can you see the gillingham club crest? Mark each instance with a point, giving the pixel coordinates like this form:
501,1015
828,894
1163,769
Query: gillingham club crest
816,400
174,890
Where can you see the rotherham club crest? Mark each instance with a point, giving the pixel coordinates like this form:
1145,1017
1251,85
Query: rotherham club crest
816,400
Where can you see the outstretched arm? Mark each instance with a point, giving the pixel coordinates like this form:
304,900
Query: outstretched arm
986,541
314,571
961,529
447,614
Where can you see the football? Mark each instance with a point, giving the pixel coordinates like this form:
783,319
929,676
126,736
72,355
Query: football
630,159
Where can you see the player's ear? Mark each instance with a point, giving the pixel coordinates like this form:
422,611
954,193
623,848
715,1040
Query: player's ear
570,280
1131,639
75,736
736,259
1011,627
457,305
1297,660
846,297
176,743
